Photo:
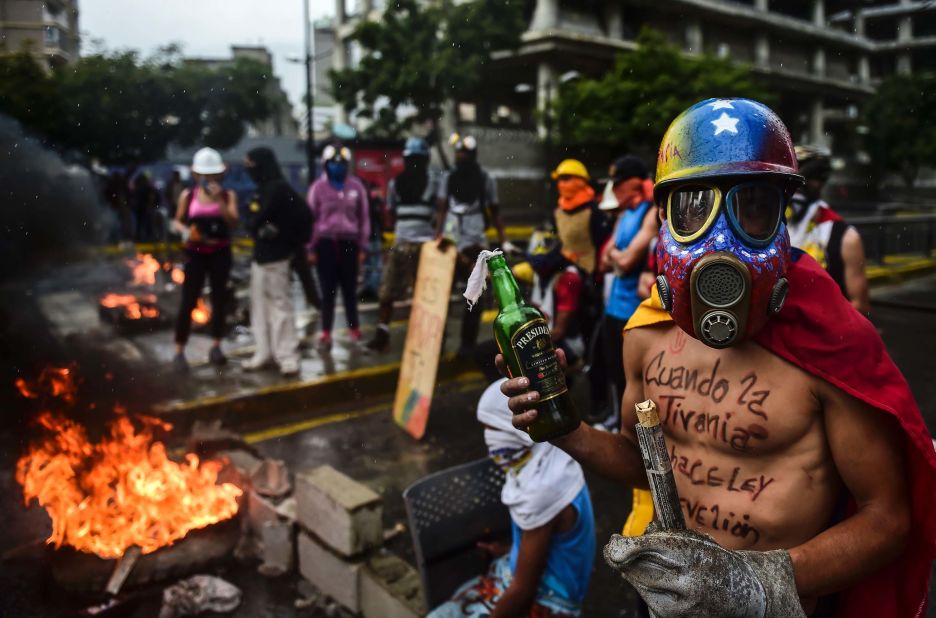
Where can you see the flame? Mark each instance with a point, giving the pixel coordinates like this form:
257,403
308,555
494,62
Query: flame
201,313
144,268
135,307
121,491
175,273
53,382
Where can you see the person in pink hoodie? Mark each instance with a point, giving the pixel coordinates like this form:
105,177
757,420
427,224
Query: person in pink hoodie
340,230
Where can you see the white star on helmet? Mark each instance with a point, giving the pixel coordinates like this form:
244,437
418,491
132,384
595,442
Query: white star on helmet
721,104
725,123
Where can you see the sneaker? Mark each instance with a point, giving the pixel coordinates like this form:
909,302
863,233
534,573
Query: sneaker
355,335
216,356
255,364
325,340
289,368
381,340
179,364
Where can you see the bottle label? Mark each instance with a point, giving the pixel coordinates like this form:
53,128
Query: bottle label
537,359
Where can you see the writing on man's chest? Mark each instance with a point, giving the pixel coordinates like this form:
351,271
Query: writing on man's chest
709,403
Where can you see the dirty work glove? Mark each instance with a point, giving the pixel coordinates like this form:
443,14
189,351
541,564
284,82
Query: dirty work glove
685,573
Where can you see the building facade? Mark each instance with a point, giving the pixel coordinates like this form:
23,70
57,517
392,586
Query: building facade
47,28
822,58
281,122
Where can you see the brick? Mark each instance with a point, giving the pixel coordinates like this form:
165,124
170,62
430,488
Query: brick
335,576
344,514
390,588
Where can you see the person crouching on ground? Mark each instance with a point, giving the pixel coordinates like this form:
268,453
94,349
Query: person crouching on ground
205,215
273,226
340,234
546,570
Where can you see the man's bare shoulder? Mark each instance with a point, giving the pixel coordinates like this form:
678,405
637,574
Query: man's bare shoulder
638,341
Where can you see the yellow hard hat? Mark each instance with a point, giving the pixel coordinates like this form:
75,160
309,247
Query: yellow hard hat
523,272
571,167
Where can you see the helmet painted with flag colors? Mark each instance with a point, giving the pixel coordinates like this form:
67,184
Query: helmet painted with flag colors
725,137
725,172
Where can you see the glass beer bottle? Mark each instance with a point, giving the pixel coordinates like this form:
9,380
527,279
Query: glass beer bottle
522,335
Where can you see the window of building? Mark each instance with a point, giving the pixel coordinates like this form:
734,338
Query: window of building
884,29
797,9
924,24
53,36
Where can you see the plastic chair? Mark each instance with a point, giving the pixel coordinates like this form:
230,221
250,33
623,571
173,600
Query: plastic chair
448,513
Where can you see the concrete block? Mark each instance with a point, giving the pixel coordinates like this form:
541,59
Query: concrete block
335,576
390,588
277,542
260,511
344,514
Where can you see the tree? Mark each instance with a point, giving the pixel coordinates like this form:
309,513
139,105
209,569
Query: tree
119,108
901,132
633,104
422,54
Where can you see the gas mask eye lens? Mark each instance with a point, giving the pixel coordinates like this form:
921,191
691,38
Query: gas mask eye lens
690,208
756,209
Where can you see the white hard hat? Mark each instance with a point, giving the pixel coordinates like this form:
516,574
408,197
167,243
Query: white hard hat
207,161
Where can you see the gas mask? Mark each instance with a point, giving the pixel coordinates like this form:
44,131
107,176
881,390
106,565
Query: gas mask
722,255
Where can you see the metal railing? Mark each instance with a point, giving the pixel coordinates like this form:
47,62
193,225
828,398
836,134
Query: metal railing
896,235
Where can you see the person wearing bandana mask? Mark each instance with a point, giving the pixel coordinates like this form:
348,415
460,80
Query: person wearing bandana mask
273,224
340,235
467,196
546,569
804,469
582,227
205,216
628,194
819,231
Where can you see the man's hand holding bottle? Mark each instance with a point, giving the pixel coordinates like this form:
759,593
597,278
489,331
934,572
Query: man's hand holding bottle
522,401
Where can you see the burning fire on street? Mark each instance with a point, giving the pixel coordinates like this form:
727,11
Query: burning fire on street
131,306
122,490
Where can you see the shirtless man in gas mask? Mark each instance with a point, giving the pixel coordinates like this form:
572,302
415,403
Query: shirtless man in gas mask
804,469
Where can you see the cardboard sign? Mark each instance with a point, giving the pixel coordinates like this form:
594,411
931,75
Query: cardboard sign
424,338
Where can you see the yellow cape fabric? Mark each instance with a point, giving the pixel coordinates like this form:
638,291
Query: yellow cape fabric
649,312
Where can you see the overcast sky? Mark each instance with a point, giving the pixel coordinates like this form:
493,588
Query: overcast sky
206,28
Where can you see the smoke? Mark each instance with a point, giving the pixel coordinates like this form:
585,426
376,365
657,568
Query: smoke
48,208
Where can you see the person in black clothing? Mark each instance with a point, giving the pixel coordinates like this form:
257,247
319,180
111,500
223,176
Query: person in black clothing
145,200
277,218
205,216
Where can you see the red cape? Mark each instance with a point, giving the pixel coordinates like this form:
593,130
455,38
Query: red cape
820,332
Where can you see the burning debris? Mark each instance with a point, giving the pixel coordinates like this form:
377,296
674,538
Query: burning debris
122,491
144,268
119,308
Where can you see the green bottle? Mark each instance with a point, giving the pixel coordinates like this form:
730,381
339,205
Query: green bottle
522,335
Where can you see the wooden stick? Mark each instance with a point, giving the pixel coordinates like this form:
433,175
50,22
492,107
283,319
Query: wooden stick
122,570
666,507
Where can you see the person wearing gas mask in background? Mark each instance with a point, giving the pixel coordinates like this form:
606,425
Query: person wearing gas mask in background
340,234
804,469
411,198
467,198
279,223
822,233
205,216
628,194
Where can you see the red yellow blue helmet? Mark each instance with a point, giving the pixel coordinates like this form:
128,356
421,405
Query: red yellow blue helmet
725,137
